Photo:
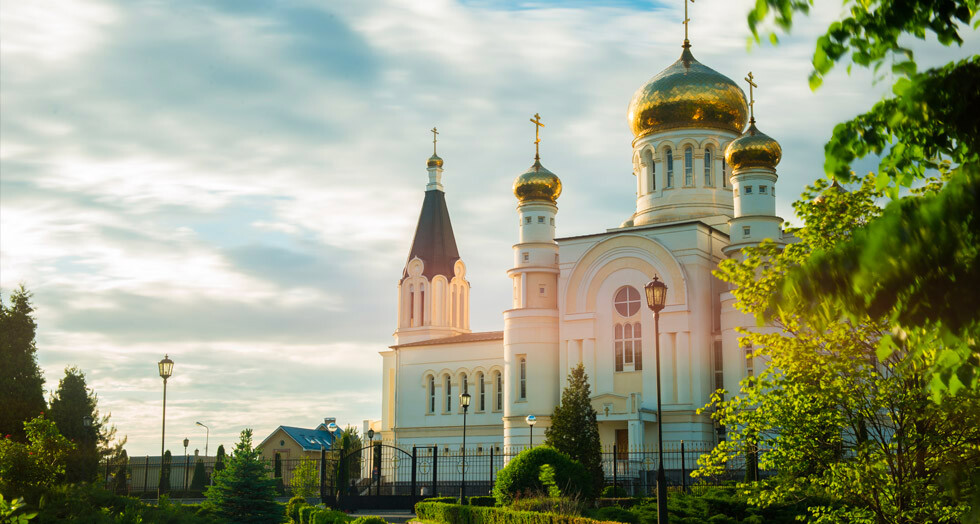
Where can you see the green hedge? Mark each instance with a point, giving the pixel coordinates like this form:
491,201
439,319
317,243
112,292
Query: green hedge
460,514
304,514
522,475
484,501
445,500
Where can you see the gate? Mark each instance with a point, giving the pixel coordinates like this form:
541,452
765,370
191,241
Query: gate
383,476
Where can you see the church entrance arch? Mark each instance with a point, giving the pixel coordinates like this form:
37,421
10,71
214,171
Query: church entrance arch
382,476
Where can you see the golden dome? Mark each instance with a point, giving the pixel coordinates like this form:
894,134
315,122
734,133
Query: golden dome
832,191
537,184
753,149
688,94
434,161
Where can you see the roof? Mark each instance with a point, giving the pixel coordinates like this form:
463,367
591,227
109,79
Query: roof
308,439
434,241
482,336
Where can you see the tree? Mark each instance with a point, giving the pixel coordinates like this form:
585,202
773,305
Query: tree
165,464
574,430
243,491
924,282
219,459
200,477
29,469
21,382
348,467
830,416
306,479
120,475
71,404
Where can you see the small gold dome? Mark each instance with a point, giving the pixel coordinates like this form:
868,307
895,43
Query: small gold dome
753,149
688,94
537,184
832,191
434,161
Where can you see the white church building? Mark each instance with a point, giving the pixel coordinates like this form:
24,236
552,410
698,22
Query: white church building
705,188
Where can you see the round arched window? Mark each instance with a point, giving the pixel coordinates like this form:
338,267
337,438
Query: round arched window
627,301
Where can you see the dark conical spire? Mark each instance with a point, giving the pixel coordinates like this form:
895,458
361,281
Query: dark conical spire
434,241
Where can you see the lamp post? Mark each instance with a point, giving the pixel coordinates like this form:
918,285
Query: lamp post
332,428
464,401
186,442
207,437
656,299
370,435
166,368
531,419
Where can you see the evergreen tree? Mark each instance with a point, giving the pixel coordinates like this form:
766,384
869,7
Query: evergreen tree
243,492
121,473
165,472
219,459
71,404
574,430
200,479
21,383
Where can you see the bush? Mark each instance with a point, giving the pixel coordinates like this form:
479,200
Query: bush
445,500
369,520
484,501
329,516
304,513
90,504
557,505
617,514
460,514
614,492
522,475
292,507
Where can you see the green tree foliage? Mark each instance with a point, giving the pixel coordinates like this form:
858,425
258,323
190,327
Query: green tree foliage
243,491
348,466
165,470
21,382
928,122
200,479
120,473
219,459
306,479
522,475
29,469
574,430
831,416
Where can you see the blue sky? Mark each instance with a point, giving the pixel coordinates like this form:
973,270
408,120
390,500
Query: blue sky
237,183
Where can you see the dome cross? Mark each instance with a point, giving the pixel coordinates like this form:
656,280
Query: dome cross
434,133
687,43
537,137
752,84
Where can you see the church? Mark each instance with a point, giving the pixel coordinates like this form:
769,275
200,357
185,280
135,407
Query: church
705,188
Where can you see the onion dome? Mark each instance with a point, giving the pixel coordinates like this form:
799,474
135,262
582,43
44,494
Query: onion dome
434,161
537,184
831,191
753,149
688,94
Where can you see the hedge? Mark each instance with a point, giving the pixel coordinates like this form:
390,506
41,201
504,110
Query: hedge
460,514
485,501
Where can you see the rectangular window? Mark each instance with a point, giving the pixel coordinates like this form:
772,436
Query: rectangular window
527,220
432,394
527,256
748,190
670,169
541,220
749,364
637,348
523,371
746,231
449,393
541,290
619,356
500,392
483,393
762,190
688,167
719,366
707,167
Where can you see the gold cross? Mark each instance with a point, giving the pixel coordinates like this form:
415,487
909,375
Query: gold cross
434,133
537,138
685,22
751,96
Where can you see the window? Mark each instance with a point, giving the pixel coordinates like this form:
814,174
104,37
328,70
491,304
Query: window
762,190
629,347
552,220
724,172
541,290
541,220
653,175
483,392
411,306
748,190
719,366
432,394
670,168
746,231
627,301
449,393
527,256
421,306
749,364
708,165
527,220
523,372
465,384
688,166
499,394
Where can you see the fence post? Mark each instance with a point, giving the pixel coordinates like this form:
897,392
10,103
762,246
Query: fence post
415,463
491,469
615,476
323,475
146,472
435,467
683,470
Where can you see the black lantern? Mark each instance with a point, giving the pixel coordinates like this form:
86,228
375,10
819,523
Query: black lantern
656,294
166,367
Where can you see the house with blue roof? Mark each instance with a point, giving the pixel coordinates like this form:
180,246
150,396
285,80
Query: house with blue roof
291,442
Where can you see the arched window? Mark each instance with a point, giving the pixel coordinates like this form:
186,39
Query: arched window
724,172
464,384
498,380
669,156
523,371
483,392
449,393
627,301
432,394
653,175
411,306
629,346
708,165
688,166
421,304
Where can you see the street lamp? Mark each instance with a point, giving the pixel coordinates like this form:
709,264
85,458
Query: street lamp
656,299
464,401
370,435
166,367
207,437
186,442
531,419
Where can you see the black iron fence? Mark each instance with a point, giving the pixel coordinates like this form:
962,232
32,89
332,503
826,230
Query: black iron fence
386,470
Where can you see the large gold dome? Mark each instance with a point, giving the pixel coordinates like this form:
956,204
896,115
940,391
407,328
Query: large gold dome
753,149
688,94
537,184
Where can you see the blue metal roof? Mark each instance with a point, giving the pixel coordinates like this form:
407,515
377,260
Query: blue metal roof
310,439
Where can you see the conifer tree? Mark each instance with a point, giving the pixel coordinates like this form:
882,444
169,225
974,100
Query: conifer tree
165,472
21,382
219,459
243,491
71,404
574,430
200,479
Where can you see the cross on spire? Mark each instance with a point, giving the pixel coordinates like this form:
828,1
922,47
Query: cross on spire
537,137
752,84
687,43
434,133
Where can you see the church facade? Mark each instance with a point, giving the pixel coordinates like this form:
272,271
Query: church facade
705,188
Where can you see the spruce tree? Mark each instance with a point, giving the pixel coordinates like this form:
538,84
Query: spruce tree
200,479
243,491
219,459
165,472
21,382
71,404
574,429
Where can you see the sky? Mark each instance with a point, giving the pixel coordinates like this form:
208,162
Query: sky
236,184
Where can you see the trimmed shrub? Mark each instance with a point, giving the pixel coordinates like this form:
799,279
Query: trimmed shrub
460,514
617,514
444,500
611,492
483,501
621,502
369,520
557,505
522,475
292,507
329,516
304,514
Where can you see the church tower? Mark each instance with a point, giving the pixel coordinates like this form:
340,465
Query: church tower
433,294
531,325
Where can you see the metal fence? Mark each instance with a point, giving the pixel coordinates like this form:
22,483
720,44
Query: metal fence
432,470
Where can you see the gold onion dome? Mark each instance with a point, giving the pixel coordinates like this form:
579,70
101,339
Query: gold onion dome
832,191
537,184
688,94
434,161
753,149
